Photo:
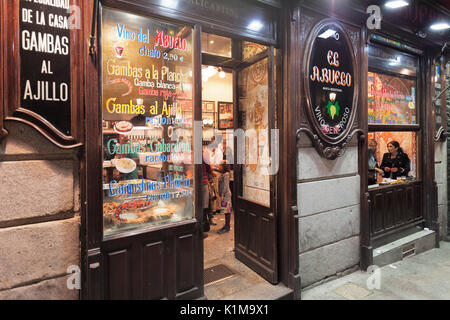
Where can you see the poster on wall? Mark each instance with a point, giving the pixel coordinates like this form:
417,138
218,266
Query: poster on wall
330,83
225,115
391,100
147,115
45,61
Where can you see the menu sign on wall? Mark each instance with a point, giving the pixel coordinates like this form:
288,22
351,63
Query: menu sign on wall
45,60
330,83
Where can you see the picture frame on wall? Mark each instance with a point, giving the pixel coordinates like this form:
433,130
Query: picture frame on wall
225,115
208,106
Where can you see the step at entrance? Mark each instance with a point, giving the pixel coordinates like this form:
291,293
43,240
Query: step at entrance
407,246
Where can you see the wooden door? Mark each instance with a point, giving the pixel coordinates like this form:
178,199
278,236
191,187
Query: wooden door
255,214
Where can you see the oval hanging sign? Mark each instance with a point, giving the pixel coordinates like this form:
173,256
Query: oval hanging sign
331,79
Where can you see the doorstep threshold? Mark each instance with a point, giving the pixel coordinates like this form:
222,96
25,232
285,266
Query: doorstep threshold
401,242
402,248
262,291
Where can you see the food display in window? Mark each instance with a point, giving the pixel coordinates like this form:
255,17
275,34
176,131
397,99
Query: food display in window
125,165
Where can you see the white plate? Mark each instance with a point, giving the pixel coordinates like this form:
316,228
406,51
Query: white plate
128,216
128,127
118,163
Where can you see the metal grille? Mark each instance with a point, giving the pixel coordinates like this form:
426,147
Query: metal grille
409,250
217,273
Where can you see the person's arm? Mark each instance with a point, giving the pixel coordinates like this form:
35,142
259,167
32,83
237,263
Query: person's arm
377,168
406,167
384,165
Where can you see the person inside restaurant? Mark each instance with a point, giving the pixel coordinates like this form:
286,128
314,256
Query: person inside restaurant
374,169
395,163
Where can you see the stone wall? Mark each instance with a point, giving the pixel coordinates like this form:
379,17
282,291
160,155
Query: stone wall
329,210
441,180
39,216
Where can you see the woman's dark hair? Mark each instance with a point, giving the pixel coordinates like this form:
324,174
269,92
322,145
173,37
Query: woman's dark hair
225,167
396,145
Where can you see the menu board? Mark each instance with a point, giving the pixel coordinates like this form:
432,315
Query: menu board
45,60
147,128
392,100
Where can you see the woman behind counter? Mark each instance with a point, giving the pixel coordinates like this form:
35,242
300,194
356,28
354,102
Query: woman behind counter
395,163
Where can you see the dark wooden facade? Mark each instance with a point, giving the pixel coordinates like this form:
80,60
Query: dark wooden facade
384,210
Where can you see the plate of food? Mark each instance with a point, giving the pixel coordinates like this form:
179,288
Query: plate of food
133,211
125,165
123,127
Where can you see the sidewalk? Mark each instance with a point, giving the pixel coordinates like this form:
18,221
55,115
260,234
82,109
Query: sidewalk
421,277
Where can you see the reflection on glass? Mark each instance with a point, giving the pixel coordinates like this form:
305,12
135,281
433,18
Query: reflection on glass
251,49
216,45
392,100
392,60
253,110
379,151
147,122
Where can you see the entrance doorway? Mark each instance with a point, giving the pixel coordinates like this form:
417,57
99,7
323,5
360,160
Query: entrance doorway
240,255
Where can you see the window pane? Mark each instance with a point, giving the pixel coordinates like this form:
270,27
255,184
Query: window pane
383,58
250,49
378,150
254,120
392,100
147,122
216,45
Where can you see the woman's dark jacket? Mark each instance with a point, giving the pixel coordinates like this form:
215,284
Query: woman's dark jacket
401,161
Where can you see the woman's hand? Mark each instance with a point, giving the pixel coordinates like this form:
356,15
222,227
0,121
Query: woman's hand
394,169
387,169
379,170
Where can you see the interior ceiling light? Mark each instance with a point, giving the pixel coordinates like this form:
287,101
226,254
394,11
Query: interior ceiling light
439,26
221,73
394,4
327,34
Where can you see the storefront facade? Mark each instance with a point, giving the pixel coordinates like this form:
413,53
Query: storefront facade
305,77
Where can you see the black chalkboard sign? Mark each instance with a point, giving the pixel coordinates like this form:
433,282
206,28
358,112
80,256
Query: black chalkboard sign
45,61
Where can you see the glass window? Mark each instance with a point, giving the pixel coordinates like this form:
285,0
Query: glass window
254,120
216,45
379,152
147,122
392,100
250,49
387,59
